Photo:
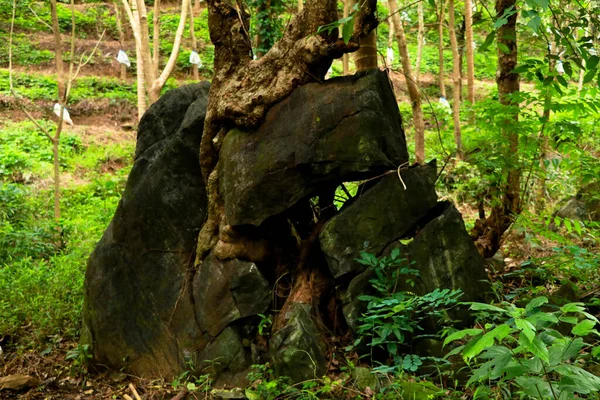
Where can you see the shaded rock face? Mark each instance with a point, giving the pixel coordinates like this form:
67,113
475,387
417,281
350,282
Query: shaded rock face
585,206
152,309
137,308
337,131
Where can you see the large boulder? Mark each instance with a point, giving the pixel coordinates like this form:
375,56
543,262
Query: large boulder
386,212
338,131
137,306
152,309
584,206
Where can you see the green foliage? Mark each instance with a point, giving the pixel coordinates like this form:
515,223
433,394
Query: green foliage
80,355
37,252
266,22
263,386
395,315
44,87
531,352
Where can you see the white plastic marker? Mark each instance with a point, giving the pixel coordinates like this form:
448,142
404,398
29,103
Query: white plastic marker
390,55
195,59
444,103
66,116
123,59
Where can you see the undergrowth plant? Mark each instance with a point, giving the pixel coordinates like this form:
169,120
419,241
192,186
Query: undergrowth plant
531,352
394,316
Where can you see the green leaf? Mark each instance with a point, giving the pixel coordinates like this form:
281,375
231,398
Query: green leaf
474,348
539,349
534,23
488,41
573,307
583,328
562,80
461,334
589,75
592,62
347,30
535,303
487,307
569,320
526,327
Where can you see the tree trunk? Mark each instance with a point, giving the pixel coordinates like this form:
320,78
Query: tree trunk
58,58
142,103
346,57
195,74
159,82
455,80
149,68
420,42
365,58
138,20
118,15
391,36
413,90
469,51
156,37
488,233
441,49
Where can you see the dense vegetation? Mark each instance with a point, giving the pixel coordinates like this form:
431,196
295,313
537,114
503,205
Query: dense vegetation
538,339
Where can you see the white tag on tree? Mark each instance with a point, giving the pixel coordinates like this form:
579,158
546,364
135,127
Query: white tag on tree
195,59
123,59
390,55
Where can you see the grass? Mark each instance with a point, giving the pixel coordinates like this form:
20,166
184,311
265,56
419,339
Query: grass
42,262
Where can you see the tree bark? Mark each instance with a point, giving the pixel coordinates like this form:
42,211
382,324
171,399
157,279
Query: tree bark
365,58
413,90
58,53
122,67
149,70
154,82
455,80
441,49
420,42
469,51
156,36
346,57
195,74
488,233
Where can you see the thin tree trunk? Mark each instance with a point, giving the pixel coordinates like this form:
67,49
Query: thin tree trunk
154,92
365,58
441,49
346,57
56,163
420,42
488,233
149,70
541,195
391,36
123,67
469,51
58,53
195,74
142,103
455,80
156,36
300,5
413,90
